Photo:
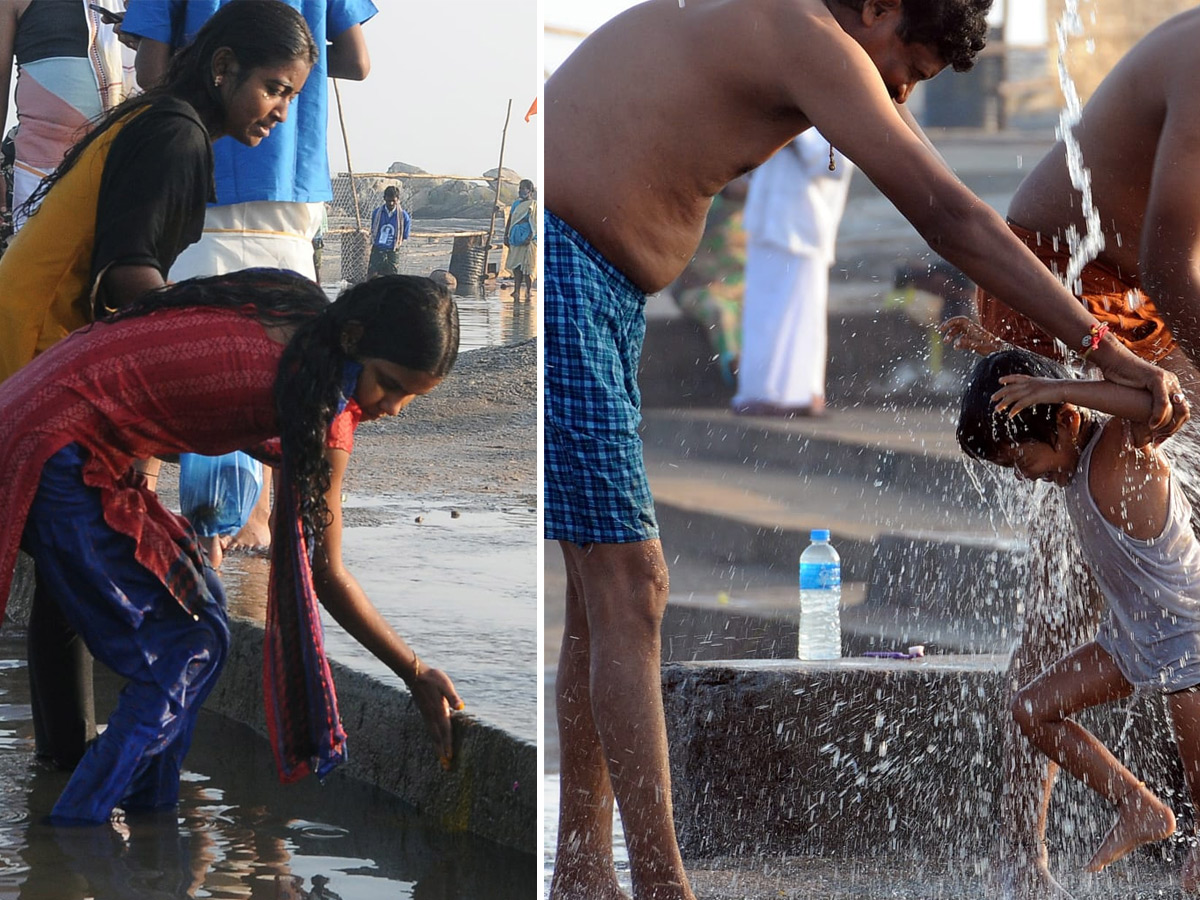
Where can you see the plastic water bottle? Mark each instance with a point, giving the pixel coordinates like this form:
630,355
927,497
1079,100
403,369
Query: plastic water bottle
820,599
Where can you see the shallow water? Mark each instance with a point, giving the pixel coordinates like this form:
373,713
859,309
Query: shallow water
236,834
494,320
462,590
487,317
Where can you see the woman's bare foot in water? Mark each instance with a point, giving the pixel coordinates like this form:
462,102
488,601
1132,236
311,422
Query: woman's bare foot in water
1141,818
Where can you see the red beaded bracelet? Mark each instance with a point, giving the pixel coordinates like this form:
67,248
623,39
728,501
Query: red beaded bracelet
1092,339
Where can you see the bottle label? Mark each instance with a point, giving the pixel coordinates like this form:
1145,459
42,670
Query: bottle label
826,577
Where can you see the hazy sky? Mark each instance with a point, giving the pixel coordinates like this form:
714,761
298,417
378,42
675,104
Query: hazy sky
441,76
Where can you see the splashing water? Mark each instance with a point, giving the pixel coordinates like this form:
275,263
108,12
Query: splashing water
1086,247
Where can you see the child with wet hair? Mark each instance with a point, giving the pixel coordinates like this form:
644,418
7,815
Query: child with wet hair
1024,412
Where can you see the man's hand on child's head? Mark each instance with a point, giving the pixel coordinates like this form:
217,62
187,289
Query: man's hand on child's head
963,334
1181,411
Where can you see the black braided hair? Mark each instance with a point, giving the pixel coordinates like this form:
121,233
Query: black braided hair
407,320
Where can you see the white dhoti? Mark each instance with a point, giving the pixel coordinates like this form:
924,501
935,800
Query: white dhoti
264,233
792,213
784,335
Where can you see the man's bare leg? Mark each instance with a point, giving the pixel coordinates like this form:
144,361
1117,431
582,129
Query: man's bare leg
583,867
256,533
624,591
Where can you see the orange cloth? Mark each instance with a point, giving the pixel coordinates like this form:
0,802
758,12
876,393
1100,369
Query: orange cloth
1130,314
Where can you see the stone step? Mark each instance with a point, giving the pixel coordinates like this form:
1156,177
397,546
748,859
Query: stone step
861,757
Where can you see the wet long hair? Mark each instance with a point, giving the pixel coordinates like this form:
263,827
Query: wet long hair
406,320
257,32
983,433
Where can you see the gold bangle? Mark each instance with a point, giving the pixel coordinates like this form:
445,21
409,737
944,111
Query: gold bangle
417,668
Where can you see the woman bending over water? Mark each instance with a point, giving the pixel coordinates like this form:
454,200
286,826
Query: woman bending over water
254,359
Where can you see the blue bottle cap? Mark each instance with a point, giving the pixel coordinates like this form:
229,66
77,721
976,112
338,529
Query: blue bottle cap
819,534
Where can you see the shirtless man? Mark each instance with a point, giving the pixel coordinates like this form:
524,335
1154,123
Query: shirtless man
645,122
1140,139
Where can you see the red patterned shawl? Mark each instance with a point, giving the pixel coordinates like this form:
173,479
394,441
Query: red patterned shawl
181,380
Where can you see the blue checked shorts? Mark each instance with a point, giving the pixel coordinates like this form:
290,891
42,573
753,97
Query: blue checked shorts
596,490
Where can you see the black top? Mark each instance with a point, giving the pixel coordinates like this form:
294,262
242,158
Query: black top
157,181
50,28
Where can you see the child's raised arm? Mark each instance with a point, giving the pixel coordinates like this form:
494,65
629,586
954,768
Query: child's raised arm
1124,402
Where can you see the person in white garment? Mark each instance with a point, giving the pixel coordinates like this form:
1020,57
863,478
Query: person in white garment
793,210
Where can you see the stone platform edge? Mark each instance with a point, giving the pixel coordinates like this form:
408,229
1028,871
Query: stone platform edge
490,790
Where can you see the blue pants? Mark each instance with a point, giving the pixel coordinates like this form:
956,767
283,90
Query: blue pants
133,625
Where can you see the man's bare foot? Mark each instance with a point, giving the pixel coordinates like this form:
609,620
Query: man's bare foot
1141,818
1189,878
585,883
255,534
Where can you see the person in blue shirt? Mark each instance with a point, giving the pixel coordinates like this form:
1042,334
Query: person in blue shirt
390,224
270,202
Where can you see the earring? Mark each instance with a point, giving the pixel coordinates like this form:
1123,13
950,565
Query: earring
217,81
832,165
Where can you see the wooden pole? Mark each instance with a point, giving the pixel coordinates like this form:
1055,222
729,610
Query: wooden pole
496,201
346,142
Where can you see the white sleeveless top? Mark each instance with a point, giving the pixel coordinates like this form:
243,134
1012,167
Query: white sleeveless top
1152,587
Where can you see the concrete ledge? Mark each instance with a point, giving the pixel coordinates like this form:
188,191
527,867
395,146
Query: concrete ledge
491,791
868,757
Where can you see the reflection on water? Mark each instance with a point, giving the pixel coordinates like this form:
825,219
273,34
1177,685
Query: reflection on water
489,319
494,320
457,587
236,834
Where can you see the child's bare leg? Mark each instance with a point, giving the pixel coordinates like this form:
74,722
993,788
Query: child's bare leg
1085,678
1185,715
1028,782
624,590
583,865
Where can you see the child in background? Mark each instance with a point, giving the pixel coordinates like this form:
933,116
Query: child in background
390,224
1027,413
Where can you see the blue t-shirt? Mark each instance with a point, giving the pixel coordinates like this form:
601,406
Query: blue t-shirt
386,226
291,163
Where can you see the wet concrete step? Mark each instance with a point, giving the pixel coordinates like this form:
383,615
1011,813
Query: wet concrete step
856,758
